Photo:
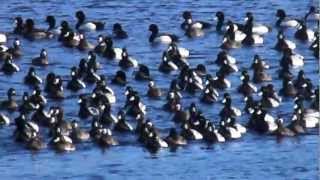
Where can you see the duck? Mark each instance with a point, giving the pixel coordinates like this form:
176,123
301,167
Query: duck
288,89
111,52
260,75
293,59
32,78
119,78
153,90
25,130
37,98
101,46
233,33
85,110
31,33
62,143
172,101
228,110
157,37
107,139
209,95
4,120
219,17
259,64
310,117
262,122
303,33
15,50
180,116
84,25
250,104
177,54
297,124
84,44
143,73
190,134
284,72
193,25
118,32
26,105
251,38
312,14
19,25
153,141
134,106
42,60
246,88
36,143
10,104
282,131
92,61
283,21
122,125
227,68
51,20
107,118
103,93
91,76
56,90
224,56
9,67
75,83
174,139
70,39
220,82
77,134
126,61
256,28
42,117
166,66
270,98
229,129
212,134
283,43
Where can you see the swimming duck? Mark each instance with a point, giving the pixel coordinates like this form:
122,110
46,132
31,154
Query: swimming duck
127,61
251,38
42,60
15,50
167,65
101,46
219,17
56,88
103,93
310,117
91,76
172,101
228,110
193,25
226,68
256,28
224,56
120,78
110,52
303,33
153,91
32,78
26,105
118,31
270,98
283,43
122,125
180,116
283,22
297,124
246,88
288,89
177,54
75,83
51,20
84,44
143,73
19,25
31,33
261,121
77,134
42,117
107,139
84,25
250,104
190,134
313,14
293,59
25,130
134,106
61,142
227,130
92,61
10,104
153,141
281,130
107,118
260,75
212,134
4,120
85,110
174,139
70,39
284,72
157,37
233,33
9,67
220,82
209,95
37,98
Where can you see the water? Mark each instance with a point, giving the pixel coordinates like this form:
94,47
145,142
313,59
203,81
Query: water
252,157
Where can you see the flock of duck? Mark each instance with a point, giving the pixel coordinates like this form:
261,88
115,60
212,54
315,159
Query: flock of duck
190,123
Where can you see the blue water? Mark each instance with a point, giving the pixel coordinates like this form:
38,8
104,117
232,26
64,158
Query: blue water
251,157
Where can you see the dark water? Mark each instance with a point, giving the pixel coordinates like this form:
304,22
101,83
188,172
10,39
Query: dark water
251,157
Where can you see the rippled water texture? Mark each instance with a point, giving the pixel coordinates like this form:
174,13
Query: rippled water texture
252,157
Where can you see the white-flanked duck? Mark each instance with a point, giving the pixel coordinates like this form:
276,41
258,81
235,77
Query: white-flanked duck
283,21
84,25
157,37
